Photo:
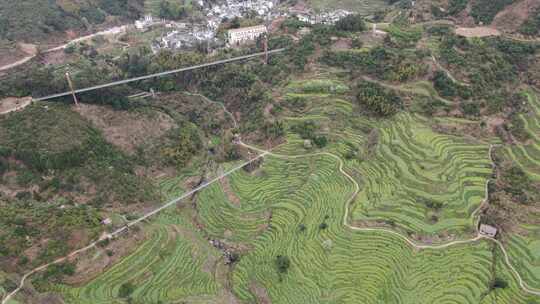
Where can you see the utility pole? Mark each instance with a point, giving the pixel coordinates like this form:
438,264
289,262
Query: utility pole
72,90
265,48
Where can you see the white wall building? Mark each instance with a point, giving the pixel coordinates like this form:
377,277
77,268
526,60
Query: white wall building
143,24
241,35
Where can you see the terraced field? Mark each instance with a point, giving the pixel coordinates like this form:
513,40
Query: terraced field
364,7
421,181
176,262
337,265
524,248
295,206
528,155
413,179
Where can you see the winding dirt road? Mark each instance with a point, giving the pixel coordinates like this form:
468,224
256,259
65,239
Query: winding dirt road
264,153
413,244
111,31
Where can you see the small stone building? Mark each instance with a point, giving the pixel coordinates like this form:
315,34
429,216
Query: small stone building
488,230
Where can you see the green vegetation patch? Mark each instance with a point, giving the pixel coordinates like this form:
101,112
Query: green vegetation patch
30,20
531,26
421,181
527,155
318,86
485,10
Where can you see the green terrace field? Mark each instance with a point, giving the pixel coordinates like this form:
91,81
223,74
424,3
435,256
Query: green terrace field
528,155
412,180
332,265
524,247
174,263
422,181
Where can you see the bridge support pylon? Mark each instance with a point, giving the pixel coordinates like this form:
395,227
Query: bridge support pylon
72,89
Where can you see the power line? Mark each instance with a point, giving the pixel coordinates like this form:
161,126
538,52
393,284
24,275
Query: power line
194,67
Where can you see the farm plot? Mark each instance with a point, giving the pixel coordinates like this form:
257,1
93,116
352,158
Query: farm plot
295,207
421,181
525,251
524,244
363,7
527,156
174,264
329,262
413,179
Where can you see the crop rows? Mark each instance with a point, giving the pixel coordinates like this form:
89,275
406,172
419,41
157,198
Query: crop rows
422,181
295,207
528,154
524,248
336,264
170,265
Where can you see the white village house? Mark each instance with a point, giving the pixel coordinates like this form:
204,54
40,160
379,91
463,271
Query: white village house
244,34
488,230
146,22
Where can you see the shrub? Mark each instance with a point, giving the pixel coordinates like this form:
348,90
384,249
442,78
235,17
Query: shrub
320,141
357,43
470,108
283,263
171,10
70,48
306,129
443,84
377,99
499,283
531,26
126,290
456,6
484,10
184,143
351,23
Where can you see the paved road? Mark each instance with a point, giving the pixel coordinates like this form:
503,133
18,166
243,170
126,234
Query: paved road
115,83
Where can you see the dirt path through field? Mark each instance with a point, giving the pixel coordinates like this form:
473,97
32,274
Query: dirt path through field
479,31
11,104
111,31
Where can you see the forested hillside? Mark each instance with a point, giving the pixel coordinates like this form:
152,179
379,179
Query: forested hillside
30,20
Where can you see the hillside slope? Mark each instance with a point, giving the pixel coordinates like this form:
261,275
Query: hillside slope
36,20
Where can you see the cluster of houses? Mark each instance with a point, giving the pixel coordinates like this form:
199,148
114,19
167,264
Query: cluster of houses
324,18
185,36
237,8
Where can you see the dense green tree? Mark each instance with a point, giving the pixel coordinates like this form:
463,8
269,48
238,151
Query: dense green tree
283,263
171,10
378,100
351,23
126,290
